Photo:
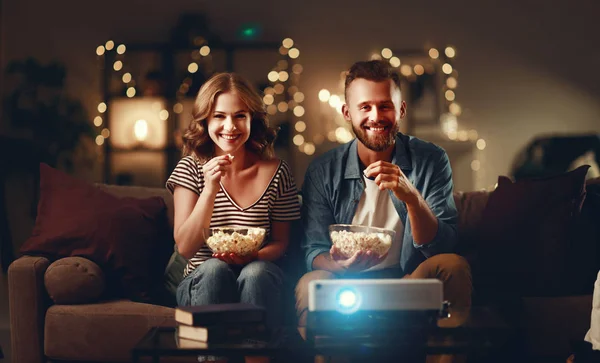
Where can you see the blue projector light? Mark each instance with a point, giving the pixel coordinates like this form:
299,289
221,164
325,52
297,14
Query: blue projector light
348,300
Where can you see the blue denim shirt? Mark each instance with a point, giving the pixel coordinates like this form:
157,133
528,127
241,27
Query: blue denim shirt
333,186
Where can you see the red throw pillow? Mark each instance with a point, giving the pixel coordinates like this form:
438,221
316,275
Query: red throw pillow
525,235
124,236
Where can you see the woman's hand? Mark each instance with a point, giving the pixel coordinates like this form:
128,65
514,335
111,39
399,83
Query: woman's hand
233,259
213,170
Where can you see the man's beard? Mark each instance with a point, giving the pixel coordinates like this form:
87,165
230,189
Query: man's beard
378,142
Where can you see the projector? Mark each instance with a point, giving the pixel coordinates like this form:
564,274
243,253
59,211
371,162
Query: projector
359,306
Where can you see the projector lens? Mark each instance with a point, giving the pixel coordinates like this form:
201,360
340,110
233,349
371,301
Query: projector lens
347,298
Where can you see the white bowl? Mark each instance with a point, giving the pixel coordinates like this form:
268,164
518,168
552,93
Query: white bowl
239,240
350,238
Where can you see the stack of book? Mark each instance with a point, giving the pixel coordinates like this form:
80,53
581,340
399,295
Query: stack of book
197,326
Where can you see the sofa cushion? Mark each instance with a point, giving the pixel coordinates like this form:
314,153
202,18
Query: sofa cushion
129,238
583,257
525,234
122,191
74,280
550,325
101,332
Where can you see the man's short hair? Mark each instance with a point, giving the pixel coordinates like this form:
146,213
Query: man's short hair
374,70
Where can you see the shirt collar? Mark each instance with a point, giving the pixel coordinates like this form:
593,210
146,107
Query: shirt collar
402,157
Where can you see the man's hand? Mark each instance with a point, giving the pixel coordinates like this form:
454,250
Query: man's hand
390,176
360,261
233,259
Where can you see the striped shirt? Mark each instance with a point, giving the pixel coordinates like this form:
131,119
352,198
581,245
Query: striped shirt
279,202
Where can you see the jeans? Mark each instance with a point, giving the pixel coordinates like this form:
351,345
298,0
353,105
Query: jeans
216,282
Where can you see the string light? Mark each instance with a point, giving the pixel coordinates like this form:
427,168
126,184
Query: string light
299,111
178,108
163,115
324,95
481,144
268,99
117,66
449,117
287,43
298,97
450,52
193,67
300,126
419,69
205,50
283,77
447,68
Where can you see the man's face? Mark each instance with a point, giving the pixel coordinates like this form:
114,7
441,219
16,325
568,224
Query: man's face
375,110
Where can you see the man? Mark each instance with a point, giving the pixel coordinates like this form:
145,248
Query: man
383,179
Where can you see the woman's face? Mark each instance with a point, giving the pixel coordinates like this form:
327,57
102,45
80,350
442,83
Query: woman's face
229,123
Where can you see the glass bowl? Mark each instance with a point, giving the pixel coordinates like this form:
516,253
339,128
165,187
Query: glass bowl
350,238
239,240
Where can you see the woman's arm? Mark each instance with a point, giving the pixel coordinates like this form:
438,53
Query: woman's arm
280,238
192,215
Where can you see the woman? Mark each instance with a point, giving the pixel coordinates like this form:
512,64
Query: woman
229,176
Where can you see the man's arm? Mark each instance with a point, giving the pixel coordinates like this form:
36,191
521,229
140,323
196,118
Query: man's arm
317,215
422,220
434,217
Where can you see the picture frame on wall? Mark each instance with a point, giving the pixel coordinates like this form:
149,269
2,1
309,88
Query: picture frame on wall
422,90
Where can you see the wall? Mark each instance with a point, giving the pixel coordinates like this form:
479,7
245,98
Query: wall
524,70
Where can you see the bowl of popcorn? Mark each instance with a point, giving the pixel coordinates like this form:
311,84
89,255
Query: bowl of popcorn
239,240
350,238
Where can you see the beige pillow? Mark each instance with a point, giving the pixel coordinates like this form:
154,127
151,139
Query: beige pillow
74,280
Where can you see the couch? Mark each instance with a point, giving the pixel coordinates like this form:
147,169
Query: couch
106,330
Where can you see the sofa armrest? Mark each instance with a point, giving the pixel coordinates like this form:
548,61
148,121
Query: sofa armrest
28,302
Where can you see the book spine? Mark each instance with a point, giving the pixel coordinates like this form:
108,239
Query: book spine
219,334
214,319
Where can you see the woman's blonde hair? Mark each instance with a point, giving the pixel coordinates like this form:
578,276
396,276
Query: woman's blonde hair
196,140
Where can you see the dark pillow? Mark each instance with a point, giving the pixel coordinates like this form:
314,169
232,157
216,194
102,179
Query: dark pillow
525,234
74,280
584,255
122,235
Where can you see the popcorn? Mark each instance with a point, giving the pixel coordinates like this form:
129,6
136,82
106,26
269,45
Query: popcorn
350,242
236,242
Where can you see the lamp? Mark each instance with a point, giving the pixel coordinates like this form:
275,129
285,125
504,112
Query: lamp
140,130
138,122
